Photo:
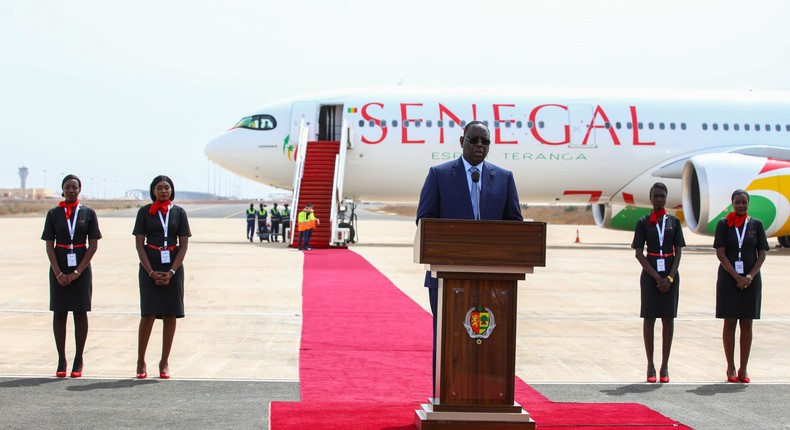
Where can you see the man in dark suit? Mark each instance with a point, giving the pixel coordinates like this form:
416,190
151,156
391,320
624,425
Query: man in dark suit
467,188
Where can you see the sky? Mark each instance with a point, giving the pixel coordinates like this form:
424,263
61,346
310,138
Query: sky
119,92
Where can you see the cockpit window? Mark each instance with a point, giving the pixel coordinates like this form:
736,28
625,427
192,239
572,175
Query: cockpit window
257,122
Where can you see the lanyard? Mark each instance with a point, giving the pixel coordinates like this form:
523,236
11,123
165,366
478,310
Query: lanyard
165,222
740,237
72,226
661,234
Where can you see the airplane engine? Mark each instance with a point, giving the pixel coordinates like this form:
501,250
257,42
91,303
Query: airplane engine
617,216
708,183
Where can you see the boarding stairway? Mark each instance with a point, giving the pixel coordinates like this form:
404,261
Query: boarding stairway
318,179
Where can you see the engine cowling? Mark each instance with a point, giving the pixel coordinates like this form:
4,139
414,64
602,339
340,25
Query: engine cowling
617,216
710,179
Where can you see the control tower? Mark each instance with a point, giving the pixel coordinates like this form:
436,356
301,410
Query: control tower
23,178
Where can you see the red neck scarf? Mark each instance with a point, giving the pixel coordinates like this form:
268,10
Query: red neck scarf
159,206
654,216
69,207
735,220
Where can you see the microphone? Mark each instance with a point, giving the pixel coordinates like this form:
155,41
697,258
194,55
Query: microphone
475,177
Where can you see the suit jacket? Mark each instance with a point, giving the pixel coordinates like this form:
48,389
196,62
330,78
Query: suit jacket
445,194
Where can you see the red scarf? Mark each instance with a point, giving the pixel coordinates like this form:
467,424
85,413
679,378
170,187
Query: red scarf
735,220
159,206
69,207
654,216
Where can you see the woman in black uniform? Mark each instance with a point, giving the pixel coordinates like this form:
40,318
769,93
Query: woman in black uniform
161,236
660,281
71,232
741,246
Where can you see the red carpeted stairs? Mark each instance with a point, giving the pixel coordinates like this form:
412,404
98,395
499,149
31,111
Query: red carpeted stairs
316,187
365,360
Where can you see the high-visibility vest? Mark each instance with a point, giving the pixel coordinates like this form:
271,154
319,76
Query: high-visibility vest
286,215
275,214
262,214
250,214
305,221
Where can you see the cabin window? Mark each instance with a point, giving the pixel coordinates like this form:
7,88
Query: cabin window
440,123
463,123
757,127
725,126
519,124
428,123
704,125
715,126
485,122
628,125
671,125
530,124
682,125
507,124
496,124
417,123
362,123
452,123
541,124
746,127
777,127
640,125
618,125
736,127
607,125
650,125
767,127
383,123
661,125
257,122
787,127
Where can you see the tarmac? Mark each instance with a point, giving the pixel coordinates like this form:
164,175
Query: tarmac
579,331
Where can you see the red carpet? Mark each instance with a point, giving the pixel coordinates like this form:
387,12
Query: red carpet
365,359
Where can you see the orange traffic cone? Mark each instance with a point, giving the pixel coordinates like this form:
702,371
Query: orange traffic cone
577,237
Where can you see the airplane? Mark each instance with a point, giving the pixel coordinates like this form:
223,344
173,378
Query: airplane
598,147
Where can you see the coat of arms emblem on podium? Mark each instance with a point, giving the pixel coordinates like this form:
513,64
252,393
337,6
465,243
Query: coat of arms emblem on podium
479,323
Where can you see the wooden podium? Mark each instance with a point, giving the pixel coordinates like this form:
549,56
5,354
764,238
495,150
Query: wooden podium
478,264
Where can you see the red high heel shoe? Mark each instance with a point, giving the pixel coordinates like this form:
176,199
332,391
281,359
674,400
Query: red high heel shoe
664,379
61,373
142,375
744,379
651,376
164,375
732,378
76,373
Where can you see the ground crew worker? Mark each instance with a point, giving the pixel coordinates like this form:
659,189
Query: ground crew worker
251,222
286,213
263,232
276,217
305,223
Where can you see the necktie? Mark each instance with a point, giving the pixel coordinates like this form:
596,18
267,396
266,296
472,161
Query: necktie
475,194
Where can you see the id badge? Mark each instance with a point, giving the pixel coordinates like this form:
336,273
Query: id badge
71,259
661,265
165,255
739,267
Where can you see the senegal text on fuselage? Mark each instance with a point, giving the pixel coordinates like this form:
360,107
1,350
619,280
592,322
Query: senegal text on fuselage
500,113
518,156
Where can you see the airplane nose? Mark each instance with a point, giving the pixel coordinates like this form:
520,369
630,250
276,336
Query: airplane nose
217,149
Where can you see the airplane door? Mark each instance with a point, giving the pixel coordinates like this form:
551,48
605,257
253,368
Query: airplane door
307,110
579,117
330,122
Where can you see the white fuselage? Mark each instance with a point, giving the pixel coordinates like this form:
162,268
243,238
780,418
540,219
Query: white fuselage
564,146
